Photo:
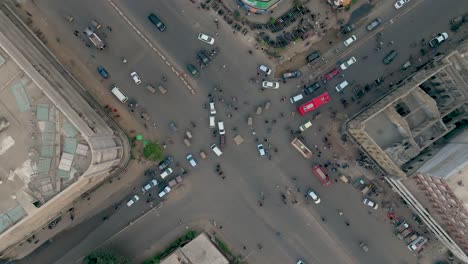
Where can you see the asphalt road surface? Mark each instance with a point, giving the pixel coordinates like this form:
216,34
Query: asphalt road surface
286,232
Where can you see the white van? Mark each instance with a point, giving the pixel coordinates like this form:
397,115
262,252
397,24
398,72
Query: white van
216,150
296,98
341,86
119,94
212,122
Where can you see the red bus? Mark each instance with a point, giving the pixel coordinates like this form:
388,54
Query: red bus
320,174
314,103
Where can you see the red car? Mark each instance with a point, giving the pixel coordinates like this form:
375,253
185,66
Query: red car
331,74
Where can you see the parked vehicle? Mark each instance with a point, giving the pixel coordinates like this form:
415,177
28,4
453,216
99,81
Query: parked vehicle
261,150
162,90
221,128
165,163
166,173
314,196
350,40
165,191
157,22
390,57
133,200
438,39
417,243
340,87
370,203
149,185
331,75
313,56
135,77
321,175
398,4
311,88
193,70
291,74
212,108
345,65
305,126
94,38
204,60
375,23
103,72
296,98
173,127
270,85
191,160
205,38
264,69
345,29
405,66
313,104
364,247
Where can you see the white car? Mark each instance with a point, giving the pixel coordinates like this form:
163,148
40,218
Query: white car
345,65
164,192
135,77
149,185
370,203
439,38
270,85
212,108
166,173
133,200
265,69
349,41
205,38
314,196
261,150
221,128
191,160
341,86
400,3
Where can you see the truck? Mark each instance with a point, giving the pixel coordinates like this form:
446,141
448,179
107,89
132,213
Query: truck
402,226
94,38
321,175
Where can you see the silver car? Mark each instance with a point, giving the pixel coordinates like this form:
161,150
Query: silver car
372,25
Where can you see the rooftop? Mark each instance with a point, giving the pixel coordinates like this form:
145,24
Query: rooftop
198,251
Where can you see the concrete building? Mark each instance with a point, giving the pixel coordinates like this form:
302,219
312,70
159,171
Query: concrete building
198,251
55,144
414,131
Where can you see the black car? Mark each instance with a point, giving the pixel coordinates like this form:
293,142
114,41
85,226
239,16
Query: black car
291,74
157,22
313,56
345,29
165,163
204,60
311,88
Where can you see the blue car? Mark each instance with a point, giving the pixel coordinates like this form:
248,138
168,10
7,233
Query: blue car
103,72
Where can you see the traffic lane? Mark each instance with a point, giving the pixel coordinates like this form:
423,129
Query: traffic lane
407,29
229,200
363,225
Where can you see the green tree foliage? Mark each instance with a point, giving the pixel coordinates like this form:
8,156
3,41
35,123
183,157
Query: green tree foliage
153,151
104,257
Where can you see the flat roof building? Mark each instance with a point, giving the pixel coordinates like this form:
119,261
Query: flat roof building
198,251
420,130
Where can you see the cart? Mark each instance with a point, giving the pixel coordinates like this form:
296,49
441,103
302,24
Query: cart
96,24
162,90
238,140
145,116
150,89
202,154
259,110
188,134
250,121
187,142
267,105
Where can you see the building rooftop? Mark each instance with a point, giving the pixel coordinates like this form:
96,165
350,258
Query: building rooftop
198,251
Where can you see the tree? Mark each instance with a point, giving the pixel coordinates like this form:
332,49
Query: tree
152,151
104,257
